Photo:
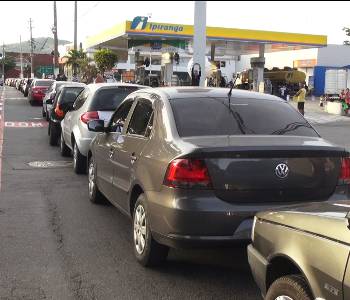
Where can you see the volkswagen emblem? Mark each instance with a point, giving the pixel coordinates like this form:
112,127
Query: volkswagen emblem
282,171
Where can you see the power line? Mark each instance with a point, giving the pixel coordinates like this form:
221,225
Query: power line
89,9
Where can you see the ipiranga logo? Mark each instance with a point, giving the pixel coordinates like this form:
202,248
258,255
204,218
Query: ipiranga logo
140,23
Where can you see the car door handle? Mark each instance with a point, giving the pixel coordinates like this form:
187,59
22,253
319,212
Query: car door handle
133,158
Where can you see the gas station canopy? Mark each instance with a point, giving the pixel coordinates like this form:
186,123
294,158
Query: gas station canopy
228,41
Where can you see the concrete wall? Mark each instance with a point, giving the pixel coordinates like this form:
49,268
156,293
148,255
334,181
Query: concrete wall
334,56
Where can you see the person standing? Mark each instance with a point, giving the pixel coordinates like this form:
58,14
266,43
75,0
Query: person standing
347,100
99,78
300,97
283,92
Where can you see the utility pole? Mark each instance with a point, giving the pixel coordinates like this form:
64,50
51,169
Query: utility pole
21,55
54,30
3,61
31,49
75,24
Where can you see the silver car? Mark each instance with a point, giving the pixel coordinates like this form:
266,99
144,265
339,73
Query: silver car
95,102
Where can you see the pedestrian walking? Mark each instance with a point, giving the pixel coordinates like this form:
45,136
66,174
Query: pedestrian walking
300,97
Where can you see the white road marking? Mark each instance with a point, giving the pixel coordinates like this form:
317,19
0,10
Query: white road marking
16,124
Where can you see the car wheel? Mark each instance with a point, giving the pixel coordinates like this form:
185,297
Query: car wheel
95,195
31,102
43,112
79,160
65,151
293,287
54,135
148,252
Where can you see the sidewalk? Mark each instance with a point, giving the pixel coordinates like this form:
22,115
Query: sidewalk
316,114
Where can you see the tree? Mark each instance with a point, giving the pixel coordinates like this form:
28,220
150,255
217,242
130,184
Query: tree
9,63
105,59
76,58
347,32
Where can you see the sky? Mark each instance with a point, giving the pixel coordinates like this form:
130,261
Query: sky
321,17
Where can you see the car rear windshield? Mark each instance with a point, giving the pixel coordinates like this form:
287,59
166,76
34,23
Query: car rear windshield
110,98
43,83
212,116
69,95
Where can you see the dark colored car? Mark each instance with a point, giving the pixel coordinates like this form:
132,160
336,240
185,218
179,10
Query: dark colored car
50,96
37,90
63,101
192,170
302,253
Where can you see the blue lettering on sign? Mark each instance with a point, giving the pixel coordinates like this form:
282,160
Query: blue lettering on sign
140,23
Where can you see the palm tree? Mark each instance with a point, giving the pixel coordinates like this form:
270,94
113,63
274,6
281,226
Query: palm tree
76,59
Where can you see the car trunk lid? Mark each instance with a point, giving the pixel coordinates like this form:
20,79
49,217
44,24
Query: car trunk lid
269,168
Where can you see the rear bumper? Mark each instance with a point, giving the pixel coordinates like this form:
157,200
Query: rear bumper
258,265
180,219
37,97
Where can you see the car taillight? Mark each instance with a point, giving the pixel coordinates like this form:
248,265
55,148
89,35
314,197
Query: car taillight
89,116
59,112
345,170
187,173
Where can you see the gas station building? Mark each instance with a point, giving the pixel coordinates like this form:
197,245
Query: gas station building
134,41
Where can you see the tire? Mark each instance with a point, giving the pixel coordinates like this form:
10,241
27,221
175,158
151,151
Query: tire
31,102
54,135
95,196
79,160
65,151
151,253
293,286
43,113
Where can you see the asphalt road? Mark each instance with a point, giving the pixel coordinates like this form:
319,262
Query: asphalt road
55,244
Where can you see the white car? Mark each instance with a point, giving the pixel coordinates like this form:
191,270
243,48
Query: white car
96,102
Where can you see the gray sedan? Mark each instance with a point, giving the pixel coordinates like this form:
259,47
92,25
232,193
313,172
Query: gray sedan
192,166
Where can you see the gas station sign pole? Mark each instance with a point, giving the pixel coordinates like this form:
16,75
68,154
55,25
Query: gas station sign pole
200,38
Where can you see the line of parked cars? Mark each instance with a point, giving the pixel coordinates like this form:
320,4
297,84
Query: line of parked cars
198,167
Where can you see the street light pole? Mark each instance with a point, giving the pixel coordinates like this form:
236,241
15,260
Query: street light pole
54,30
21,55
31,50
75,25
3,62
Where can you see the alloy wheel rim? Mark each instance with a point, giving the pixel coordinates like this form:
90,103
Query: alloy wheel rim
140,229
91,178
284,298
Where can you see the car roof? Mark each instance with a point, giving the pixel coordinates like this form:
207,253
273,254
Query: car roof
96,86
73,85
203,92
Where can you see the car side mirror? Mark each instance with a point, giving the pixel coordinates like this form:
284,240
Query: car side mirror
96,126
49,101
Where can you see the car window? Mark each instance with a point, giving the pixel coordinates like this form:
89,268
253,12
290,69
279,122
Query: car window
43,83
108,99
212,116
51,88
118,119
79,102
140,117
68,95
